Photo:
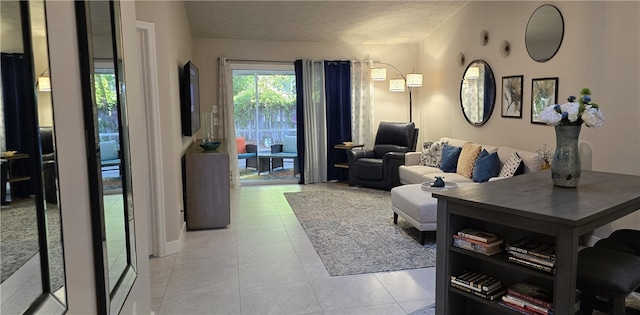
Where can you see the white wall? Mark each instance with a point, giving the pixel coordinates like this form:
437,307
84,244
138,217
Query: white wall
71,158
600,50
139,299
389,106
173,49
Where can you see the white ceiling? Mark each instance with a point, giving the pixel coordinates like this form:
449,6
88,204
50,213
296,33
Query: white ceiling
370,22
11,24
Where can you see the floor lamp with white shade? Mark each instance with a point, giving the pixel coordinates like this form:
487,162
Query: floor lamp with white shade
411,80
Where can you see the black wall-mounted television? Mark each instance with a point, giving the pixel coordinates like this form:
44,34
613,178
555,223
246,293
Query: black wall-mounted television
190,104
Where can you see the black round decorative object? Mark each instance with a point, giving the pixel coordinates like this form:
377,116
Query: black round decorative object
210,145
438,182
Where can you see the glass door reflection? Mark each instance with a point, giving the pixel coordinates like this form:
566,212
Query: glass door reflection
111,171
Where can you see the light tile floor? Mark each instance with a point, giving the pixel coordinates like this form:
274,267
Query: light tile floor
263,263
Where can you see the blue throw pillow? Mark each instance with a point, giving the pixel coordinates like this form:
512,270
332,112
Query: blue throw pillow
487,166
450,155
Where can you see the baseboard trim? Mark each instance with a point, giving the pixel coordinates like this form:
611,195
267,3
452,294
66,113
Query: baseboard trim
173,247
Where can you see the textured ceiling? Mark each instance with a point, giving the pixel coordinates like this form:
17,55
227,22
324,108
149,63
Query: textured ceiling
372,22
10,17
11,24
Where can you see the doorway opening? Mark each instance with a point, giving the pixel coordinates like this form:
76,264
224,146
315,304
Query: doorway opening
264,98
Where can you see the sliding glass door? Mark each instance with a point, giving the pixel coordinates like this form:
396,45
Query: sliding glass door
264,106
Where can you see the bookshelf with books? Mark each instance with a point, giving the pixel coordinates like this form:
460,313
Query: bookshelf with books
497,264
528,298
500,261
473,259
525,206
478,284
532,254
533,293
477,246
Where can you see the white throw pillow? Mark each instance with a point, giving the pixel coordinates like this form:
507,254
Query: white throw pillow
432,154
511,166
423,155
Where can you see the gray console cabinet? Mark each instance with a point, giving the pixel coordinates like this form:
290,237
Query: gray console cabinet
207,188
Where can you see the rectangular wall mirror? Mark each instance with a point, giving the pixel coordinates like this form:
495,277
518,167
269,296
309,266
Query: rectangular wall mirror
33,276
107,136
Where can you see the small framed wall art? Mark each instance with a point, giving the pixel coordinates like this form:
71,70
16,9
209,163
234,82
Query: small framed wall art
512,96
544,92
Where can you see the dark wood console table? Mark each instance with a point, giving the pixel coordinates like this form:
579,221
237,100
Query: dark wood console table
526,206
207,188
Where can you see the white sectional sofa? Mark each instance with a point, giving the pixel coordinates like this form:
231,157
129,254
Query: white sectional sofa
413,204
414,173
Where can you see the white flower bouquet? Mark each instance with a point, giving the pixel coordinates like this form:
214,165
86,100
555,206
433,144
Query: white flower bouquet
574,114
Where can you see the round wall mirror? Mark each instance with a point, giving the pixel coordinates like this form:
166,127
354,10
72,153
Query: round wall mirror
544,33
477,92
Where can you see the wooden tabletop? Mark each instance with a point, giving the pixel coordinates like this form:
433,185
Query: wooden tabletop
533,195
15,156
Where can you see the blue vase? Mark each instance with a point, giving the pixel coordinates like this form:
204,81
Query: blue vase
565,166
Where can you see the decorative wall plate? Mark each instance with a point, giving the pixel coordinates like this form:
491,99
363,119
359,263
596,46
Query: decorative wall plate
505,48
484,37
460,59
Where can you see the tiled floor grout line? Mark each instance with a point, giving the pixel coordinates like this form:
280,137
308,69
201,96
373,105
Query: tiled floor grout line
387,289
164,290
306,272
235,211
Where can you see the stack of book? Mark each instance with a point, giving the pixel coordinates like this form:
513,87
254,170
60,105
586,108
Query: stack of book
478,284
533,254
528,298
478,241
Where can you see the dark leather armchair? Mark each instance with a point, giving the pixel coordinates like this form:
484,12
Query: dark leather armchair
378,168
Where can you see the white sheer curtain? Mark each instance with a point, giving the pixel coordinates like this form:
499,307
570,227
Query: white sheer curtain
226,128
315,122
362,104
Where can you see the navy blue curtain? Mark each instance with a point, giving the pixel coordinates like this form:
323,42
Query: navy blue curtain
338,98
489,93
19,119
300,118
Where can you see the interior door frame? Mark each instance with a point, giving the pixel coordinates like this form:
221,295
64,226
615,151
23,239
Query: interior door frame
150,102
